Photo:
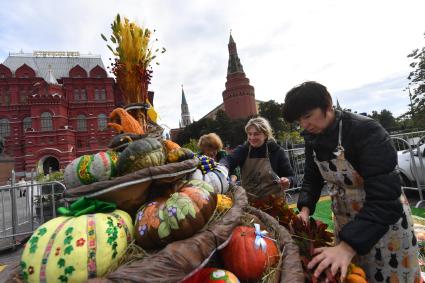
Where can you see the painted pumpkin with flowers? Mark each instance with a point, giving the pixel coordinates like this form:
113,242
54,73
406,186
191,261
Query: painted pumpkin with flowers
176,217
74,249
210,275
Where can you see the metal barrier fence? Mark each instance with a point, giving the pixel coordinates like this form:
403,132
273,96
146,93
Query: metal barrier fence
25,206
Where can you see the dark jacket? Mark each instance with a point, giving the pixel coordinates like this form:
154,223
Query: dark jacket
277,156
369,150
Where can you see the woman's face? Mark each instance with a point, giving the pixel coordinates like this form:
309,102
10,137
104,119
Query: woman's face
256,138
315,121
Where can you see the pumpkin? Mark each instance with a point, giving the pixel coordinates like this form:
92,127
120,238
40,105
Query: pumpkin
74,249
179,154
224,203
170,145
88,169
121,141
123,122
217,178
247,261
143,153
176,217
355,278
209,274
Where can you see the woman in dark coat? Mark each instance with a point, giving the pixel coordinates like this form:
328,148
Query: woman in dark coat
265,168
354,155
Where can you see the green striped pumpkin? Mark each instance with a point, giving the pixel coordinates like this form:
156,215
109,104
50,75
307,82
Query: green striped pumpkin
88,169
74,249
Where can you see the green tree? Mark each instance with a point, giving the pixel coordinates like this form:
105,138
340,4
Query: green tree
272,111
385,118
417,85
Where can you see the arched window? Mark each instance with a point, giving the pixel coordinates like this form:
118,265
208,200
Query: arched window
4,127
102,122
81,123
23,96
46,121
26,123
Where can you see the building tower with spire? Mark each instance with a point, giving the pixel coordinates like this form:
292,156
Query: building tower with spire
185,120
239,95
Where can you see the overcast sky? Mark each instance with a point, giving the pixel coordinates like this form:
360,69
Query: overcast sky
358,49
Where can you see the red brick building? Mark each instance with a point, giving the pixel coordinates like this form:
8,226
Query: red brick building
54,108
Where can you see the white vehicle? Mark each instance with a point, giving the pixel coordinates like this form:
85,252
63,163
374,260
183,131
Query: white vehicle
412,170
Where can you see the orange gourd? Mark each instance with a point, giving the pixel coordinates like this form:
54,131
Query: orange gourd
123,122
244,259
170,145
355,278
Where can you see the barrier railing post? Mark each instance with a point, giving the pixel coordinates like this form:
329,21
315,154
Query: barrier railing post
14,209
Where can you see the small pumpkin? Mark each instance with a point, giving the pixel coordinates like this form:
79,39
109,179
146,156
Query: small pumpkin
209,275
355,274
246,260
75,249
170,145
176,217
216,177
179,154
355,278
123,122
140,154
88,169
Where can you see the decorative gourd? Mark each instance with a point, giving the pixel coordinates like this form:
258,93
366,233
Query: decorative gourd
244,258
88,169
215,175
177,217
170,145
74,249
224,203
121,141
355,274
209,274
143,153
179,154
123,122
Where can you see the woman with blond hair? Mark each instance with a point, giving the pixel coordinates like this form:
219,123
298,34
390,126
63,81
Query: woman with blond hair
265,168
211,146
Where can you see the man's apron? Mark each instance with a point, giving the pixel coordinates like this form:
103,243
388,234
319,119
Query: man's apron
395,257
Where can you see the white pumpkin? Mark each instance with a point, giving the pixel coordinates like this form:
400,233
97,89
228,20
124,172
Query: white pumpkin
88,169
217,178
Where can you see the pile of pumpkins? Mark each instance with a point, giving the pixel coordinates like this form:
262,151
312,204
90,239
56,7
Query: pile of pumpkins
74,249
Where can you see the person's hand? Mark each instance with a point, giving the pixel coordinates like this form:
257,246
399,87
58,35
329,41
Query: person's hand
284,183
304,215
337,258
233,179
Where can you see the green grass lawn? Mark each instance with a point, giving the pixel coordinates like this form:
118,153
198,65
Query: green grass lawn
323,213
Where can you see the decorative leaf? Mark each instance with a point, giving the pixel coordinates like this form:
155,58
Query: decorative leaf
173,223
23,265
68,240
34,240
61,262
33,249
104,37
42,231
25,276
69,270
161,214
69,231
192,211
68,250
164,230
63,278
180,214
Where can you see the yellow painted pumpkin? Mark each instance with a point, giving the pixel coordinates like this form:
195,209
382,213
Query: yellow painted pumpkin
74,249
223,202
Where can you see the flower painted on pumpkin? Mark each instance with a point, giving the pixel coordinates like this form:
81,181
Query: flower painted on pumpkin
142,229
80,242
30,270
119,225
91,265
58,250
172,211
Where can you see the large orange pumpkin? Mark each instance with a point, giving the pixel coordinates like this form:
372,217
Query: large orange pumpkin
244,258
212,275
177,217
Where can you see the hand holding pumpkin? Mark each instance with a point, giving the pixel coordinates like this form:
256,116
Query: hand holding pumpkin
338,258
